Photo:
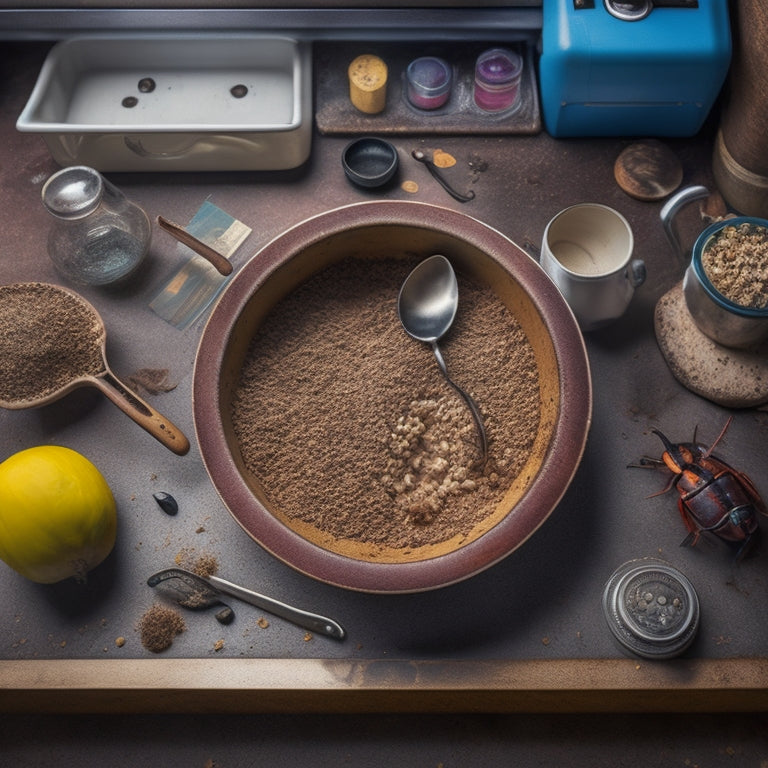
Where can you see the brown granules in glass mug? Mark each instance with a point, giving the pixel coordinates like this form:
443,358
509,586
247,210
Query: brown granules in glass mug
736,262
349,426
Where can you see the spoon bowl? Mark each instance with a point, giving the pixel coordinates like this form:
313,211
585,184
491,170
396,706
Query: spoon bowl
429,299
427,305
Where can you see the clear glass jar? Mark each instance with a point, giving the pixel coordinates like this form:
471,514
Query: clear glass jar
98,237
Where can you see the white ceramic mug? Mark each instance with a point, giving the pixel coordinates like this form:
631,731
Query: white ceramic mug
587,252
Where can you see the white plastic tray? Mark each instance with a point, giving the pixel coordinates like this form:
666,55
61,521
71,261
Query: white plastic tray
90,108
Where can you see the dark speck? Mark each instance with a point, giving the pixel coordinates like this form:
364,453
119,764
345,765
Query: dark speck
238,91
226,615
146,85
130,101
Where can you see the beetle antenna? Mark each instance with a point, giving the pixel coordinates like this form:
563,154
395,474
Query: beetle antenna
719,437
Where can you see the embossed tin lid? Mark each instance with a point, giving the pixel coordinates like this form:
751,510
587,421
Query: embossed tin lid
651,608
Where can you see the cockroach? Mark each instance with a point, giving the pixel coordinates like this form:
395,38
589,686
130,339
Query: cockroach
714,497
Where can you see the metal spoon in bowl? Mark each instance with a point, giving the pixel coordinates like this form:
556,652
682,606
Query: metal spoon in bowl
427,306
196,592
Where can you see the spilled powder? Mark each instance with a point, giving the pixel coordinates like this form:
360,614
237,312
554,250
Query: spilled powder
203,564
159,626
349,425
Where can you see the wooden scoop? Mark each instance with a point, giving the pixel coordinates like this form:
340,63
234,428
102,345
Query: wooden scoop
53,341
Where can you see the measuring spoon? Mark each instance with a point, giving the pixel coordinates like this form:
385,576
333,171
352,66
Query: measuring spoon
193,591
427,305
63,341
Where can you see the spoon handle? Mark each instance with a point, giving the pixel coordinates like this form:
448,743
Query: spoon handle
311,621
467,398
142,413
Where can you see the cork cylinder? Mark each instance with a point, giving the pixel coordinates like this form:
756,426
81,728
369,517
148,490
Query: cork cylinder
368,84
740,161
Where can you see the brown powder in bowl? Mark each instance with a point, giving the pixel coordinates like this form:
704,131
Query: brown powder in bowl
159,626
349,426
736,263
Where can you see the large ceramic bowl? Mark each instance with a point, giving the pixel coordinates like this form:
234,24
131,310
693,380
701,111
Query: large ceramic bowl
487,257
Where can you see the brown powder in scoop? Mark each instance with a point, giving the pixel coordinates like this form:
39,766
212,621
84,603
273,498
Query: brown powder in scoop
349,426
48,337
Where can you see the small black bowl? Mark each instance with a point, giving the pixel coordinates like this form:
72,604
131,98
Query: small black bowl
369,162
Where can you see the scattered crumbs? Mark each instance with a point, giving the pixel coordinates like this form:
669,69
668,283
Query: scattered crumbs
204,564
153,477
545,641
722,640
210,764
201,529
159,626
63,644
307,637
637,667
578,634
730,751
262,622
120,641
218,645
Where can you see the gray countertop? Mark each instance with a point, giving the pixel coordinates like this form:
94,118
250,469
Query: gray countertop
540,605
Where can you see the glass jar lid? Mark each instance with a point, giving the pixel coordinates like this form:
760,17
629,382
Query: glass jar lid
73,193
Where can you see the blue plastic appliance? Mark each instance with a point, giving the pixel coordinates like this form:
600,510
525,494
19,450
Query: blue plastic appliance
644,68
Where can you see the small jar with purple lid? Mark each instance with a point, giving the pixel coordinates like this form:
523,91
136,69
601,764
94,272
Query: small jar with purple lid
497,79
429,82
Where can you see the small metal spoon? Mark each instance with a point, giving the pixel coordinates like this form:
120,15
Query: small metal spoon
422,157
427,306
193,591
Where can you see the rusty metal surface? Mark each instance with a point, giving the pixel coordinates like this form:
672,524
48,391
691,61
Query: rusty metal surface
542,603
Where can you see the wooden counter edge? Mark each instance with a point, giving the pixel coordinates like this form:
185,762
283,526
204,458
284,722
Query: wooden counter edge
354,686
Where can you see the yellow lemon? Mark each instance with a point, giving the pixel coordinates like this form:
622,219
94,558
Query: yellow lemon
58,516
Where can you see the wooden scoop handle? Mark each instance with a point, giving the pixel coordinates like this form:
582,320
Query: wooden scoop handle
142,413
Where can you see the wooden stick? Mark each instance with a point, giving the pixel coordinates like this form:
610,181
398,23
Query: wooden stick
222,264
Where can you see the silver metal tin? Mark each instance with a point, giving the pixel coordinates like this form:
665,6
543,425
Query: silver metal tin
651,608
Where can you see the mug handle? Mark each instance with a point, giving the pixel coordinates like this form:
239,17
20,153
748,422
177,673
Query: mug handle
669,211
636,273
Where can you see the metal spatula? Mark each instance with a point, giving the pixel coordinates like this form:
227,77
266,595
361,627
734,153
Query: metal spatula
196,592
